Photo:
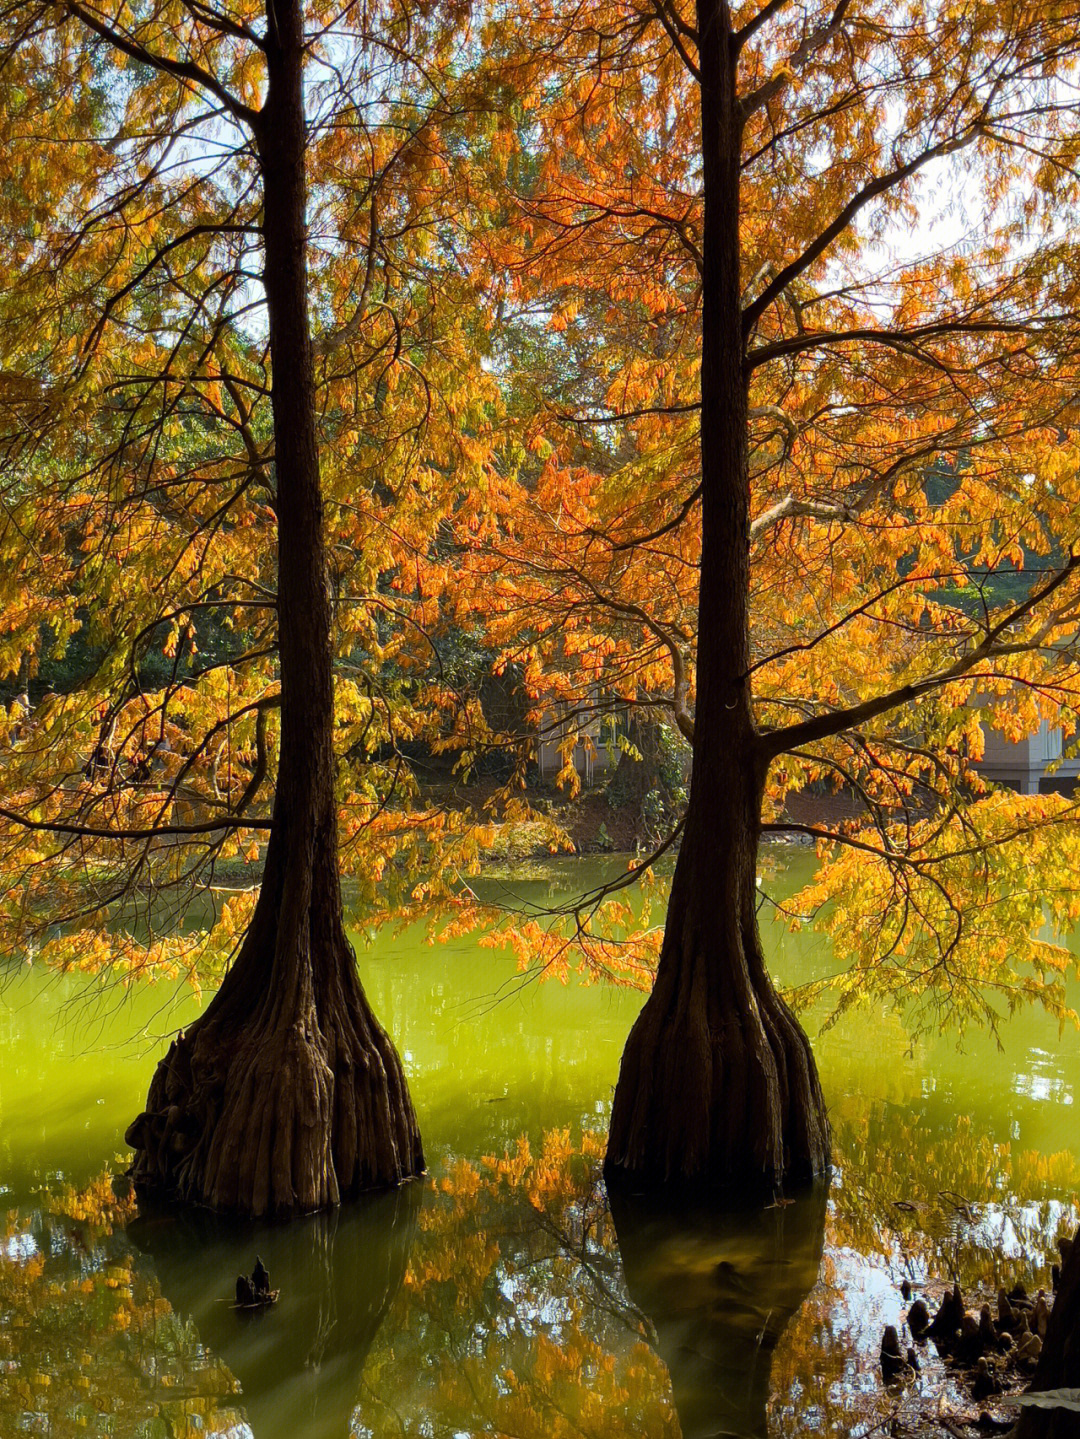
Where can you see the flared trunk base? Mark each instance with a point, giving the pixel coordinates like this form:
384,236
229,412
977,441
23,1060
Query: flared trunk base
718,1087
263,1108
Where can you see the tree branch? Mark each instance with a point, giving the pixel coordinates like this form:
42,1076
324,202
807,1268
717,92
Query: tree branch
781,78
831,836
681,681
665,529
624,415
870,191
674,24
82,831
223,24
791,507
185,70
752,26
343,334
905,341
776,742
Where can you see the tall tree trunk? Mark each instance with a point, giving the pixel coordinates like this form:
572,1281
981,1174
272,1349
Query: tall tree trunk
718,1084
1059,1362
286,1095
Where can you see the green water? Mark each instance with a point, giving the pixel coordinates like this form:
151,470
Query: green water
507,1299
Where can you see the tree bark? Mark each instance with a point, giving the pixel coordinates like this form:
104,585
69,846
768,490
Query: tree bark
718,1084
286,1095
1059,1362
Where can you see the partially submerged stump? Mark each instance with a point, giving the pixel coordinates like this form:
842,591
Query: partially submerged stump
1059,1360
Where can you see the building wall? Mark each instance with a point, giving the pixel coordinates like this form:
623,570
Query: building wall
1022,764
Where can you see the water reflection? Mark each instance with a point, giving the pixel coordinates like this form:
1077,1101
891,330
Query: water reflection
512,1312
514,1318
299,1363
87,1343
720,1289
504,1296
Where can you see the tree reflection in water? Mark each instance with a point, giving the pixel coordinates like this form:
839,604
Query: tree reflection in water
298,1363
87,1343
494,1299
719,1289
514,1318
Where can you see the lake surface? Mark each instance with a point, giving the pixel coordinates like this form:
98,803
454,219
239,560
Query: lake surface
501,1295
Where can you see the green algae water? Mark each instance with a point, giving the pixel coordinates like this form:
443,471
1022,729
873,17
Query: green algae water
504,1295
